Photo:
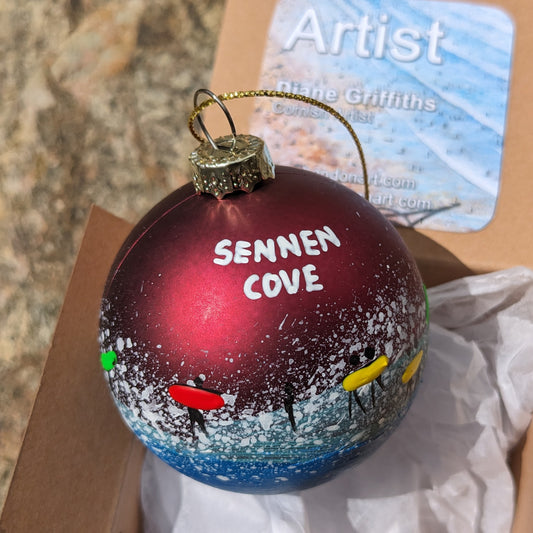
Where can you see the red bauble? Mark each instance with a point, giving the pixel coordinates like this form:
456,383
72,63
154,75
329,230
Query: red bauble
267,300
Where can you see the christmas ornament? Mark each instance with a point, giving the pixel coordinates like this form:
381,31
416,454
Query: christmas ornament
262,328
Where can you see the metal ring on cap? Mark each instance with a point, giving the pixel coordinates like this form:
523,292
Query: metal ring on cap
215,98
281,94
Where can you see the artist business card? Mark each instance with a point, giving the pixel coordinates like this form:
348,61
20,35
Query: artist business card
425,86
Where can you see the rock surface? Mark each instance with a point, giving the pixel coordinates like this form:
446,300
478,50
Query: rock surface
94,103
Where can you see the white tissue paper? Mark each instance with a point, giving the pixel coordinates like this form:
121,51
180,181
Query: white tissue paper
443,470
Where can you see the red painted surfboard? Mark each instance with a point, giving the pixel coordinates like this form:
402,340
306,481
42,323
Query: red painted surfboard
196,397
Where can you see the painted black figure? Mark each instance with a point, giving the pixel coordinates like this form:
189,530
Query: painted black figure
288,403
195,415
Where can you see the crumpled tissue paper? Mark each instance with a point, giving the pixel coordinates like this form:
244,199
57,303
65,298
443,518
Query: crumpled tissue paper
443,470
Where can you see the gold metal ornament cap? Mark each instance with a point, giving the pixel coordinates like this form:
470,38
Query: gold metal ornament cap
231,163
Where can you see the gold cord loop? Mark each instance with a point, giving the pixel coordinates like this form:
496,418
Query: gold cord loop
276,94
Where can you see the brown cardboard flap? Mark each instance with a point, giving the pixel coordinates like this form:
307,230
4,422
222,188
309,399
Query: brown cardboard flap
505,241
76,450
243,35
522,466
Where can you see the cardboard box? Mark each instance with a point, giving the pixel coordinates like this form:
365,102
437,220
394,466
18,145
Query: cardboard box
79,466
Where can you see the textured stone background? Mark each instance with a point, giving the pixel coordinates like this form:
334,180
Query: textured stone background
94,99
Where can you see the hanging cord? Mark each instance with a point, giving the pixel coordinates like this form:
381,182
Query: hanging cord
278,94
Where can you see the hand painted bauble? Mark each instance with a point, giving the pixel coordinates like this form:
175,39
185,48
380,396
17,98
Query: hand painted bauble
263,342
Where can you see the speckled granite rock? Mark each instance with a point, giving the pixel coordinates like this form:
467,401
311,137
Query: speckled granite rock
94,101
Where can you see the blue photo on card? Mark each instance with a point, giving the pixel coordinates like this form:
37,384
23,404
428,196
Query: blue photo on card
424,84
